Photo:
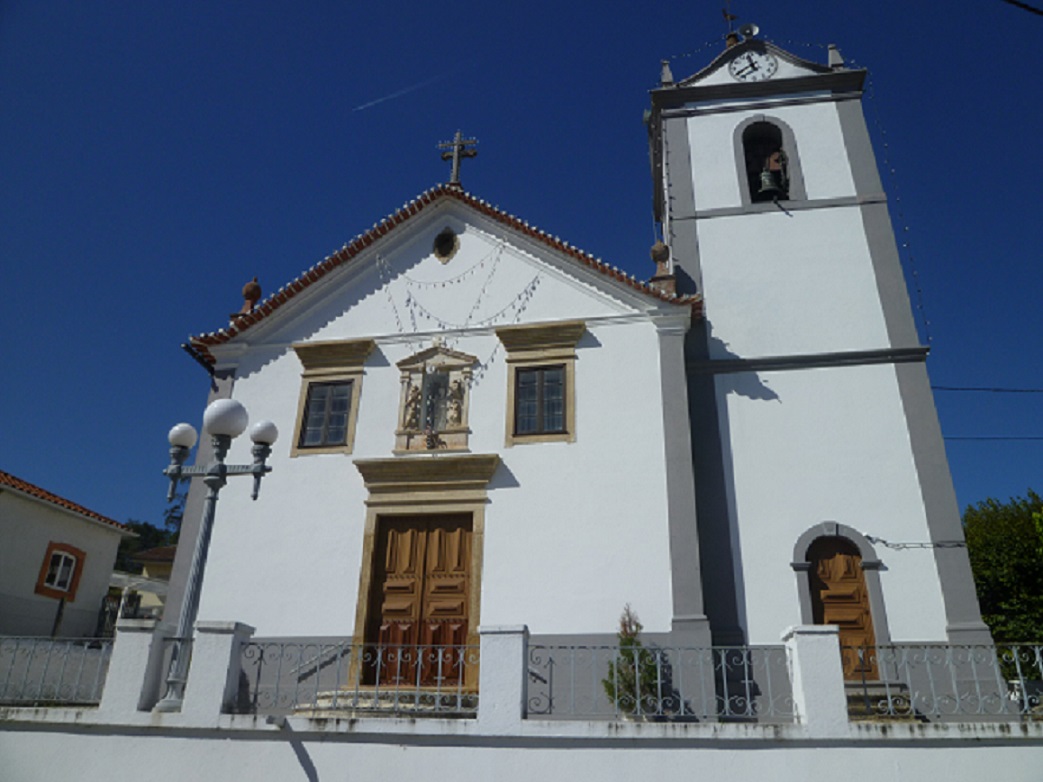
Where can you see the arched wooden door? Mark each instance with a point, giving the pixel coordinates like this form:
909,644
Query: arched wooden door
839,597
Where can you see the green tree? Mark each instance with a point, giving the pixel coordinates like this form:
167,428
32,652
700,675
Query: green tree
633,682
1005,543
148,536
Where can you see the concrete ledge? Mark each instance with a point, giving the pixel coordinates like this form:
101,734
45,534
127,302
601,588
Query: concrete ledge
395,729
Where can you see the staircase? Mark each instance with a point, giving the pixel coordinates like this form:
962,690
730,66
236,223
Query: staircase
879,702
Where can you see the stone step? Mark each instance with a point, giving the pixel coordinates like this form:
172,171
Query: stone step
384,702
880,703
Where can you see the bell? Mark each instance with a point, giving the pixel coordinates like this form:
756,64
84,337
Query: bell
769,186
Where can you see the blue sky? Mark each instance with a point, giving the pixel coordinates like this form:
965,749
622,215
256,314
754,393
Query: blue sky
156,156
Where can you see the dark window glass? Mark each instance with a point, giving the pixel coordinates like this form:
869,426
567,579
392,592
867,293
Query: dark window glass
326,415
766,163
60,570
539,400
436,391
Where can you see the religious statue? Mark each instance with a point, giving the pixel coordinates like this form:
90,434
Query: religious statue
455,403
411,417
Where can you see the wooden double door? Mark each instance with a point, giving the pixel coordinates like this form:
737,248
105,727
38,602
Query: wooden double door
420,600
839,597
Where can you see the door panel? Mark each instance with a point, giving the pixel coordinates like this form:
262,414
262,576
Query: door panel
421,598
839,597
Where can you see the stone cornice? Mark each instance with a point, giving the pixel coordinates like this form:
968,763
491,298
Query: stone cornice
428,473
334,355
541,336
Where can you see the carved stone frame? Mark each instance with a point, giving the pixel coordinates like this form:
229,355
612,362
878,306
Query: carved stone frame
871,567
541,345
454,436
330,362
433,485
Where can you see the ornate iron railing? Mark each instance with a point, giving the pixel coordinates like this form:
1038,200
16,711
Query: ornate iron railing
288,676
53,671
741,683
934,683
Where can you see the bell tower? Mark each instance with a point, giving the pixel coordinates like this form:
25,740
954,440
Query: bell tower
811,411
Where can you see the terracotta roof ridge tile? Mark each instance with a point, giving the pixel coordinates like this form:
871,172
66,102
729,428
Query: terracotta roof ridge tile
359,242
31,489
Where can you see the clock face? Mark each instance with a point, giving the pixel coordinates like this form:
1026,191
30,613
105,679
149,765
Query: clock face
753,66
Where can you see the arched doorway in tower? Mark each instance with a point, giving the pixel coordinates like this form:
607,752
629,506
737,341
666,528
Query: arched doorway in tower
839,597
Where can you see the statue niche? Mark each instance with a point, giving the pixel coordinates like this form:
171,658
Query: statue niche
434,400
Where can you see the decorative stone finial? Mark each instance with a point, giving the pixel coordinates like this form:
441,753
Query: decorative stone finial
663,281
666,77
251,295
835,60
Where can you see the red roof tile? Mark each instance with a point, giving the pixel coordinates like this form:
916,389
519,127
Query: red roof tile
201,343
11,482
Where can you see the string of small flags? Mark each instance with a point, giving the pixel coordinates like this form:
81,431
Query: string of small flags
384,270
517,304
493,254
511,312
895,198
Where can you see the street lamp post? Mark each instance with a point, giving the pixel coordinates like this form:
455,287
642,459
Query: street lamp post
223,420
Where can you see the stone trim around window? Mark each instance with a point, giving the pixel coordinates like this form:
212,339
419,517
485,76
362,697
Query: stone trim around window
52,590
532,347
330,362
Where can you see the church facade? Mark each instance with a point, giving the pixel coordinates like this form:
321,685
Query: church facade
745,443
493,444
459,380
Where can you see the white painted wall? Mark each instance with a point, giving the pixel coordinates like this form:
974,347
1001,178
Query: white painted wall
27,527
808,446
784,285
819,147
32,755
573,531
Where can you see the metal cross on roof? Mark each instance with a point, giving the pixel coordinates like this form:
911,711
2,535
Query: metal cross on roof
461,147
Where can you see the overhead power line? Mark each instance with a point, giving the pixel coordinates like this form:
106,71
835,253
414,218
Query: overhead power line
990,390
1025,6
995,437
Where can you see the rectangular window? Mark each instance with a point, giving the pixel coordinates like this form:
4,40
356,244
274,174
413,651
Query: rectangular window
326,414
60,571
539,400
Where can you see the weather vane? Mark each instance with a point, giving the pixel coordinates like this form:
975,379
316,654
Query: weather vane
460,148
729,17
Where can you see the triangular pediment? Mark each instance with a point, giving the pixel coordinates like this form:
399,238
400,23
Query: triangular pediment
437,357
749,61
445,263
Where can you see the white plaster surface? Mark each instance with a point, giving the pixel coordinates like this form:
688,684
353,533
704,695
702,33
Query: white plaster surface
786,70
573,531
27,527
820,151
594,752
778,284
814,445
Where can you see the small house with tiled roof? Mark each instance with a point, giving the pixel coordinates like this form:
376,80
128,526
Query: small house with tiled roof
56,557
458,388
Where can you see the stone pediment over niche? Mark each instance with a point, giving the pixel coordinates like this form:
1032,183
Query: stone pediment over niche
435,399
